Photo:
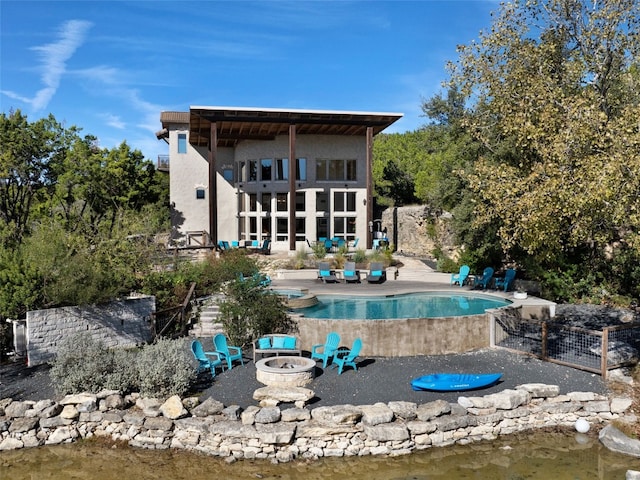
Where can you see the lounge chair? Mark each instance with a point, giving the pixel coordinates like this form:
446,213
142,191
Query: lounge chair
260,279
326,274
461,277
325,351
344,357
506,282
227,353
351,275
484,280
204,362
376,273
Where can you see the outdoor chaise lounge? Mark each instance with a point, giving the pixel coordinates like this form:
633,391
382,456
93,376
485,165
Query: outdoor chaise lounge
351,275
326,274
376,273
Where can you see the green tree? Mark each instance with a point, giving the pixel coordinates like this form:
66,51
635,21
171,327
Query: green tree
553,92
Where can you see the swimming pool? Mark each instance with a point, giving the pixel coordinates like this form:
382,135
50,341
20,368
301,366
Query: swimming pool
410,305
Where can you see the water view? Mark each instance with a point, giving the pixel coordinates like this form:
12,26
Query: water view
537,456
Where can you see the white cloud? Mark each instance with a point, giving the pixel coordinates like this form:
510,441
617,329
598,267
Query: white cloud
54,57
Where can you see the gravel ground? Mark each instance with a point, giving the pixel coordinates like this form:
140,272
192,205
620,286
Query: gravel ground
377,379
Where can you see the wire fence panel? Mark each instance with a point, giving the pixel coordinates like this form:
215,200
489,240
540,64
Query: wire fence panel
582,348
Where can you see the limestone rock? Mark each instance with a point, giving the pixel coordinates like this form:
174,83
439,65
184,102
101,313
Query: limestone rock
406,410
16,409
78,399
387,432
173,408
376,414
509,399
540,390
207,408
434,409
616,441
295,414
268,415
10,443
337,414
283,394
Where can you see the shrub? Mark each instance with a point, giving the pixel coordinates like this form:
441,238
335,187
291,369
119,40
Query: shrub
319,250
165,368
82,365
360,256
124,375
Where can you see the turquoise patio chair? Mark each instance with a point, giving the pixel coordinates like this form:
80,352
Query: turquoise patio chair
347,358
376,273
325,351
505,283
461,277
227,353
484,280
203,358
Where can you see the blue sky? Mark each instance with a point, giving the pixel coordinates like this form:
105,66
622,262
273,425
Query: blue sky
111,67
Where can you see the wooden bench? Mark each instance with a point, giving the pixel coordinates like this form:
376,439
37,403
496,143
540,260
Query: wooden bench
276,343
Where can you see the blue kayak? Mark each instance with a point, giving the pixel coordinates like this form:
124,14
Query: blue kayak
452,382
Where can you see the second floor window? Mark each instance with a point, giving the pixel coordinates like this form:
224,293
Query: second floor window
182,143
336,170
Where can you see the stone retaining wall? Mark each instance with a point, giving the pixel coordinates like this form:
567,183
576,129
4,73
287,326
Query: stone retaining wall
284,434
115,324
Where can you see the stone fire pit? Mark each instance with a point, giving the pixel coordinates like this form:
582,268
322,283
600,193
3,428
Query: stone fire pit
285,371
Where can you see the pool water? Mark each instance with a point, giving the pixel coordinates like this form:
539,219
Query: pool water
411,305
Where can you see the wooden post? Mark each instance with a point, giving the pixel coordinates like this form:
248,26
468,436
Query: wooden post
369,180
605,351
292,188
213,189
545,335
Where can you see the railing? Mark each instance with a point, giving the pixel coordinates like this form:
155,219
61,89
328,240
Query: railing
174,317
163,163
596,351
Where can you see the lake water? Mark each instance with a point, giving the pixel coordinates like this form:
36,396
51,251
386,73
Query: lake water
542,456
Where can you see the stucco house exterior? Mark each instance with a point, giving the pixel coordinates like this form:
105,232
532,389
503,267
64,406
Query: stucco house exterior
231,178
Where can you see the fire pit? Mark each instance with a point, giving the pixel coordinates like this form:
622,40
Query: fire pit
285,371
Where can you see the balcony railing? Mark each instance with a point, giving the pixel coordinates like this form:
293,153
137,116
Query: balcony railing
163,163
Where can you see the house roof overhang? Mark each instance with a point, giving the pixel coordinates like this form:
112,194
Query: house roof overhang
234,124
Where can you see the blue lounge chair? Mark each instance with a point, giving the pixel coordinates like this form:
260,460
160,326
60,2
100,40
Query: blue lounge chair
376,273
325,351
461,277
347,358
204,362
227,353
484,280
260,279
326,274
506,282
351,275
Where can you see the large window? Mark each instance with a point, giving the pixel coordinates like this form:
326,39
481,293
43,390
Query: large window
282,169
266,165
322,202
301,169
282,229
322,228
344,202
301,229
336,170
345,227
266,202
253,202
182,143
300,202
281,202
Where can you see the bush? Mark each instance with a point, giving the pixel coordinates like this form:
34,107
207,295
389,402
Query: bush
82,365
165,368
160,370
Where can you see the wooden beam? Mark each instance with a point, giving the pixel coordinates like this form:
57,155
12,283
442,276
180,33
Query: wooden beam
213,188
292,187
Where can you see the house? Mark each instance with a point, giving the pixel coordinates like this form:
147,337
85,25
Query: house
231,177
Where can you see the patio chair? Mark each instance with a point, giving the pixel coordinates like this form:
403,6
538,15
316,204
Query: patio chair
204,362
484,280
461,277
227,353
376,272
326,274
325,351
506,282
351,275
347,358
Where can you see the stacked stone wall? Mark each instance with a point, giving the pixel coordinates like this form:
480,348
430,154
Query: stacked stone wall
116,324
285,434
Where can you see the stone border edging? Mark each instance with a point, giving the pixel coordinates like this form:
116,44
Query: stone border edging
283,435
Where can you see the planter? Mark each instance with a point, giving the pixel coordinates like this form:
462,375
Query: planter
520,295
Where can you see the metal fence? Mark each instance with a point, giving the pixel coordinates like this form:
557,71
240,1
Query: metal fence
595,351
